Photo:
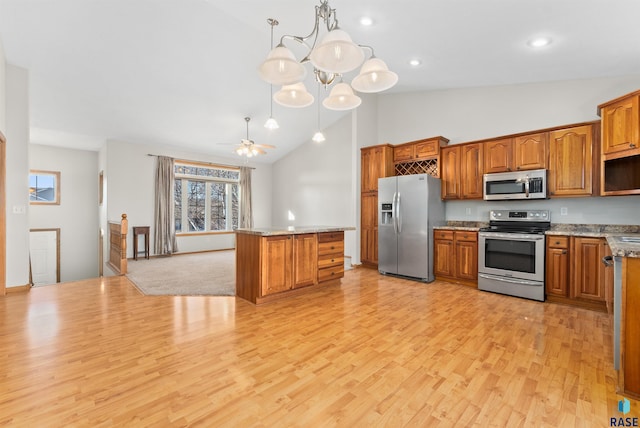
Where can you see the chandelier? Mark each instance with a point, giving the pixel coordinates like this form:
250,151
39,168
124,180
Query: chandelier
331,57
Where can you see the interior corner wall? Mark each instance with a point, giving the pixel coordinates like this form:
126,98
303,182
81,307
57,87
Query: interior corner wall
75,216
3,91
17,176
314,183
130,181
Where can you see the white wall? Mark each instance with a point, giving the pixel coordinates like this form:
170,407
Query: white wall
76,216
464,115
17,175
3,64
316,183
130,177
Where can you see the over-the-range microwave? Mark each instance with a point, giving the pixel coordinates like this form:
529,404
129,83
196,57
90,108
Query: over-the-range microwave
515,185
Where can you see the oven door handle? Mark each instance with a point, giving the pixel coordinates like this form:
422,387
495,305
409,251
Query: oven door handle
510,236
509,280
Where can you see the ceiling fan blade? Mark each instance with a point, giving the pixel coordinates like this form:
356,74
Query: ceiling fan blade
259,150
265,146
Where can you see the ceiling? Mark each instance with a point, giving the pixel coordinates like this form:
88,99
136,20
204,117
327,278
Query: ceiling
184,72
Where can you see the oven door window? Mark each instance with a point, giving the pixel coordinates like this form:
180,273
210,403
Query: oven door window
510,255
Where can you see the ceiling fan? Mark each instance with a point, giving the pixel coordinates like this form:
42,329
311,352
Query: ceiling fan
249,148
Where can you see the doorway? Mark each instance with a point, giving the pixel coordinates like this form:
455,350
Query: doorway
44,256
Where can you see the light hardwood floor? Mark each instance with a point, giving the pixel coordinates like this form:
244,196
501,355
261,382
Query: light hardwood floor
373,351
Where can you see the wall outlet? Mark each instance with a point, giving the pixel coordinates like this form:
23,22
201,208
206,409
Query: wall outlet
19,209
468,211
564,211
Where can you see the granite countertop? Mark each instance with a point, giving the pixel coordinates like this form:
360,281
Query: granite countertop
471,226
613,233
620,248
292,230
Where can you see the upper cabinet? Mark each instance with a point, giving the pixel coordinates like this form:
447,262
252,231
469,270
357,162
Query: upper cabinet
462,169
377,162
418,150
523,152
571,161
620,167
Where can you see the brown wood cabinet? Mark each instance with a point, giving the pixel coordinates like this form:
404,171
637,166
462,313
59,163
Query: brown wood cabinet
418,150
277,266
456,256
557,266
572,161
330,256
629,376
305,259
376,162
620,143
575,273
523,152
462,169
270,267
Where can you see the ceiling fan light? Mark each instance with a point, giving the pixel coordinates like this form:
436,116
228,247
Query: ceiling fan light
374,77
271,123
295,96
281,67
318,137
342,98
337,53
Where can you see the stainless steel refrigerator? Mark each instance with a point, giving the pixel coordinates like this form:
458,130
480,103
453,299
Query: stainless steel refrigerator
409,206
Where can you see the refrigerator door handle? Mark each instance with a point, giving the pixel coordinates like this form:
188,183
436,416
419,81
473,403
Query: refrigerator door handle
398,213
393,213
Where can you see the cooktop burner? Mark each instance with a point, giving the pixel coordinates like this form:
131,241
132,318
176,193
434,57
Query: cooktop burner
508,221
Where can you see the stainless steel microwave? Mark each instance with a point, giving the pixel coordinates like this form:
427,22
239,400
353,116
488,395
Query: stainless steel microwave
515,185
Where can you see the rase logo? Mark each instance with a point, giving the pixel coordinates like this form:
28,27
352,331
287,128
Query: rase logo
624,406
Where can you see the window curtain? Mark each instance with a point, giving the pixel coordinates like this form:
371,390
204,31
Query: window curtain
165,237
246,217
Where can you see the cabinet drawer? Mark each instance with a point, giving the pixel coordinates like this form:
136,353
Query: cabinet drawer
466,236
330,273
558,241
334,247
443,234
330,236
330,260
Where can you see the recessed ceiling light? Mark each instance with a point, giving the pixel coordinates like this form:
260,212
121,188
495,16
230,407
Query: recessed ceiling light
539,42
415,62
366,21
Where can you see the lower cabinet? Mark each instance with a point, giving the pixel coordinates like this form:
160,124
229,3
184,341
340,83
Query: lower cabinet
305,259
277,269
330,256
575,273
456,256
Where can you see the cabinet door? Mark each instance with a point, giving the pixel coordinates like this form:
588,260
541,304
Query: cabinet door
587,269
376,162
450,172
498,156
277,266
571,161
369,228
444,257
530,151
466,260
403,153
557,275
621,125
426,149
305,259
471,167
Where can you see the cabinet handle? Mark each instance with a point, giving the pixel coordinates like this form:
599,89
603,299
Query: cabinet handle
518,167
557,242
564,251
333,248
332,260
632,145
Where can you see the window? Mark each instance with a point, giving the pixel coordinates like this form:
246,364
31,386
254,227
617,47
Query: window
44,187
206,198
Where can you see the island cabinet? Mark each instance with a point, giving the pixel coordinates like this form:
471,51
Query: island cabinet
272,266
572,161
456,256
629,375
620,143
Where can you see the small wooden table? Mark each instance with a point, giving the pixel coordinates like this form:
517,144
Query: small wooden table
140,230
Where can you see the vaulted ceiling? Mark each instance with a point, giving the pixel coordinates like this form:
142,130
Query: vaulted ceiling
184,72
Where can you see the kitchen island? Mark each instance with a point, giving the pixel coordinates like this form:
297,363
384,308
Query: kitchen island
273,263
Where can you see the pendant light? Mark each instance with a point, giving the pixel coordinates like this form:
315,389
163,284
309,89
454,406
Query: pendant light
271,123
318,137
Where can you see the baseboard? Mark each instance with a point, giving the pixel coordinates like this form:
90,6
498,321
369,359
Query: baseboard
18,289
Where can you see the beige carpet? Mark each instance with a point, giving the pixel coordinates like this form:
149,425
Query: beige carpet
201,274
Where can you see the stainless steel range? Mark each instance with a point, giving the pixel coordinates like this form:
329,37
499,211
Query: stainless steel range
511,253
